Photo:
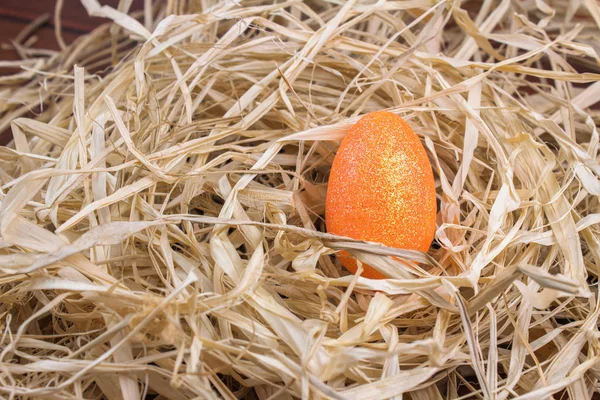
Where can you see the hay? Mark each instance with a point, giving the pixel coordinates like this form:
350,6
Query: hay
162,204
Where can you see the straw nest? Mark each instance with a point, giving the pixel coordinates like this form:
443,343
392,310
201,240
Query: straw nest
162,204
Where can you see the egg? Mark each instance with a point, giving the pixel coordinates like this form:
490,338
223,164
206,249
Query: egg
381,188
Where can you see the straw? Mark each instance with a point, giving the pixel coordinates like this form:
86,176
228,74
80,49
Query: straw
162,203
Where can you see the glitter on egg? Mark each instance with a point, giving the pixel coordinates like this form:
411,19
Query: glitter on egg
381,188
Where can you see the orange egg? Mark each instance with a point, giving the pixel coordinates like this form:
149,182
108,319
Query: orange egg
381,188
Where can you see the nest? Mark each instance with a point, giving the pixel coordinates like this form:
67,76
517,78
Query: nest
162,200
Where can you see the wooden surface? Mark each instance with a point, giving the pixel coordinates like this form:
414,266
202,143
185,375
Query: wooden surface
17,14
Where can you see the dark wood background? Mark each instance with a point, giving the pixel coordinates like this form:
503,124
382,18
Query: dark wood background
17,14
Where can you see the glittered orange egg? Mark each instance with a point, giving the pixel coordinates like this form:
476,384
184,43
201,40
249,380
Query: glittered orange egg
381,188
